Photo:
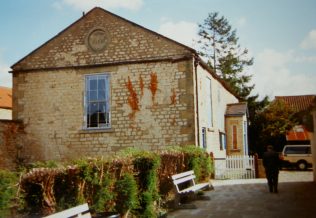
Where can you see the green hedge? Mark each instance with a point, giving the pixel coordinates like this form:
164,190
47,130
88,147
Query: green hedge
8,192
133,181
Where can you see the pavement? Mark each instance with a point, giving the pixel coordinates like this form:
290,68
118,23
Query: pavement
249,198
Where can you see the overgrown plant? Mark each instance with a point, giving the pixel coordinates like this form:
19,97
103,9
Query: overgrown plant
8,192
199,161
126,194
196,159
147,165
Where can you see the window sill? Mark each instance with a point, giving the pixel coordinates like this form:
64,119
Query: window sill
84,131
235,150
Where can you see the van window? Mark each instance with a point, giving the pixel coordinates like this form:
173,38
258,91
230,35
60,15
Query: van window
297,150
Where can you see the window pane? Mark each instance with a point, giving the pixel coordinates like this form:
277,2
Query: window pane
93,96
101,84
102,107
102,118
93,84
93,120
101,95
93,108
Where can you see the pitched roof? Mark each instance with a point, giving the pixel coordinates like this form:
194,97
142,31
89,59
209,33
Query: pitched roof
237,109
298,103
5,98
70,47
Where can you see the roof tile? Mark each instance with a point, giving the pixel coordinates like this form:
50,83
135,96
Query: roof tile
298,103
5,97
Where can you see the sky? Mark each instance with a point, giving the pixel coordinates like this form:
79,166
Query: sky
279,34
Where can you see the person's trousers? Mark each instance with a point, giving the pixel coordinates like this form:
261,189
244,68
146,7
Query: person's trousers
272,177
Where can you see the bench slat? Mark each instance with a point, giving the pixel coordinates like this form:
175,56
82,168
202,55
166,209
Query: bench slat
194,188
180,175
184,179
78,210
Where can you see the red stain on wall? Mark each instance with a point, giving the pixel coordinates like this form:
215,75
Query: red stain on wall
173,97
132,98
153,85
141,85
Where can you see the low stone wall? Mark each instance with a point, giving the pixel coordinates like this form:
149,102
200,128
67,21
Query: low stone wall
9,137
12,144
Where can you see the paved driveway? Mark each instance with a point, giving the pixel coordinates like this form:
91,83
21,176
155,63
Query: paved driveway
250,198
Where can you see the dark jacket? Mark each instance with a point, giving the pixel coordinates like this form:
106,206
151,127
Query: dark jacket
271,161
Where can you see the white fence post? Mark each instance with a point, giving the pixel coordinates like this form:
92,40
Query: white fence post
235,167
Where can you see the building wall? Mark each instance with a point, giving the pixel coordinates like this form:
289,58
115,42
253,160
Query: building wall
5,114
238,121
313,142
50,104
216,123
10,137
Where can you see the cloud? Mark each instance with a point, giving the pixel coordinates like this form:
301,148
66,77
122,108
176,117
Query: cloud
85,5
309,42
5,77
273,75
182,31
241,22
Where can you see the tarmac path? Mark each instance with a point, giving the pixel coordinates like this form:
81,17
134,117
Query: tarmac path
251,198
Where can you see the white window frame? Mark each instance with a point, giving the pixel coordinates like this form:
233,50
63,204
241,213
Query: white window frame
222,141
203,134
103,102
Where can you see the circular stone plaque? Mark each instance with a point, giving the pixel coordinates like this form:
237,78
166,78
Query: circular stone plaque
97,40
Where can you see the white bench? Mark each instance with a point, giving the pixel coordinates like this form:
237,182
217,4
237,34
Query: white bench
188,178
81,211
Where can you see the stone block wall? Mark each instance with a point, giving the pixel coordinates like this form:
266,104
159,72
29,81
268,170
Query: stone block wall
11,136
50,104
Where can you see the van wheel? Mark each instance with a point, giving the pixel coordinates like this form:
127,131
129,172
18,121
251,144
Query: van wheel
301,165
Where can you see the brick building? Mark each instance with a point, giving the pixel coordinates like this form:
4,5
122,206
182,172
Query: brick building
105,83
236,129
301,105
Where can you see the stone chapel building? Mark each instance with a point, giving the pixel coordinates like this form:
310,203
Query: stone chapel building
105,83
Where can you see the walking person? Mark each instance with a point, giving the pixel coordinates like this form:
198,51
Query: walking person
271,163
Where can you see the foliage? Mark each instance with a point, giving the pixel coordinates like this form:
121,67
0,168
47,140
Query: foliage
218,44
199,161
147,164
132,181
255,108
126,194
41,164
273,122
8,190
279,119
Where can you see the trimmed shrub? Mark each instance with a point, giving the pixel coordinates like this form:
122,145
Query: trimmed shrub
133,181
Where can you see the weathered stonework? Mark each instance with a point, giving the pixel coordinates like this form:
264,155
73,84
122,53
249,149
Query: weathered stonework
16,148
125,41
156,99
51,105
